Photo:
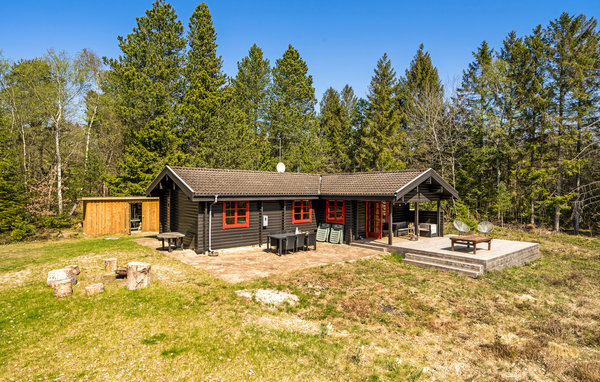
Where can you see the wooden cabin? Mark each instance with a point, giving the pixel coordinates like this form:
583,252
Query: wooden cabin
122,214
219,208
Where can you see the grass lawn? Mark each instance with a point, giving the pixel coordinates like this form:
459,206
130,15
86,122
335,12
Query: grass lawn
374,319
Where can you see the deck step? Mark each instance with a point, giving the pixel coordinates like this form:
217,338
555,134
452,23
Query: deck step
442,267
456,263
368,246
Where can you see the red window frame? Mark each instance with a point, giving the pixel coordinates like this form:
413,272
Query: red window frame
335,211
234,212
301,211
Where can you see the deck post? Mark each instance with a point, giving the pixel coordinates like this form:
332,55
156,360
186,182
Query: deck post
417,219
390,227
439,220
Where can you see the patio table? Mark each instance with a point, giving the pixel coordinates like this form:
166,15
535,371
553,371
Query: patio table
174,237
471,240
280,238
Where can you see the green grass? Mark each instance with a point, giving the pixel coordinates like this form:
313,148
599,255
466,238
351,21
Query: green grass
375,319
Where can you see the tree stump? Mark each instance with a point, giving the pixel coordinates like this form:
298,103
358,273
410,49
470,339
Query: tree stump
93,289
110,265
63,288
59,275
138,275
74,268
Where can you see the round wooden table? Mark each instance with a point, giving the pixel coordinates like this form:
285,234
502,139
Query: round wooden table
171,237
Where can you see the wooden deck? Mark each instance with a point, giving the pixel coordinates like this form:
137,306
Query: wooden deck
436,253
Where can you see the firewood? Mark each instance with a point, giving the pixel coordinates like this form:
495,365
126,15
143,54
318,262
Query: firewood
110,265
59,275
93,289
138,275
63,288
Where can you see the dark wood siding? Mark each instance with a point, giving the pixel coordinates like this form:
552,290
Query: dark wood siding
274,210
319,210
234,237
401,213
164,221
312,226
185,218
361,217
428,190
201,245
348,226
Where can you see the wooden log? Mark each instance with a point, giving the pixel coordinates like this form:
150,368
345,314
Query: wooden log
138,275
110,265
74,268
63,288
93,289
60,275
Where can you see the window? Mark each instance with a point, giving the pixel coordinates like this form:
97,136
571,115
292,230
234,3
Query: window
302,211
236,215
335,211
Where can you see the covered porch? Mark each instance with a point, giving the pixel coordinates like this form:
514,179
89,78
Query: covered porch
413,211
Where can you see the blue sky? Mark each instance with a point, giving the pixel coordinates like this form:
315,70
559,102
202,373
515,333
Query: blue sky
340,40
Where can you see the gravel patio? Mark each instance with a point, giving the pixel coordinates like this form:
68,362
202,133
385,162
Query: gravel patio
248,263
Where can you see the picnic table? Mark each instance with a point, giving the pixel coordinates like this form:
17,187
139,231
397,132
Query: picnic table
471,240
171,237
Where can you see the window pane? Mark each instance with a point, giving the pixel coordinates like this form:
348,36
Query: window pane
229,220
241,219
242,206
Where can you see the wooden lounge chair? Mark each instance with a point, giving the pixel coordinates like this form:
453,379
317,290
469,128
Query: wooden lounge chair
427,229
401,229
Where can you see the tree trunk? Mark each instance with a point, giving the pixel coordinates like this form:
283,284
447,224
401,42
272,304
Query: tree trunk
63,288
138,275
93,289
110,265
58,159
58,275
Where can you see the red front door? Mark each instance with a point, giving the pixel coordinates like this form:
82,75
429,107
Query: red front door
374,220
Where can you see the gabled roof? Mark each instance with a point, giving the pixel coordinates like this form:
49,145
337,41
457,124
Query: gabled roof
208,182
367,183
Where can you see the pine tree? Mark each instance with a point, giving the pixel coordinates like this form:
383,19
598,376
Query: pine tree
335,128
147,80
204,82
292,116
381,142
419,89
251,90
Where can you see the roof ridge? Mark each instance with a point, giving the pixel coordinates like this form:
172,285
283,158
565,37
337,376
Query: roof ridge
420,170
299,173
240,170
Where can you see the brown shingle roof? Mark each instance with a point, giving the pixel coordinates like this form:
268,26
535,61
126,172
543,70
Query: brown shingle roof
210,181
367,183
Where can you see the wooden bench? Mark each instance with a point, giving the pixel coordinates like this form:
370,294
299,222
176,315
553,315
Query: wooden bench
471,240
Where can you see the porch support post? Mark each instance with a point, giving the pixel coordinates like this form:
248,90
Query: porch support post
390,220
417,219
439,220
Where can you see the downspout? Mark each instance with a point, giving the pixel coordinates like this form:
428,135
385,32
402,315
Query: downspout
210,224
